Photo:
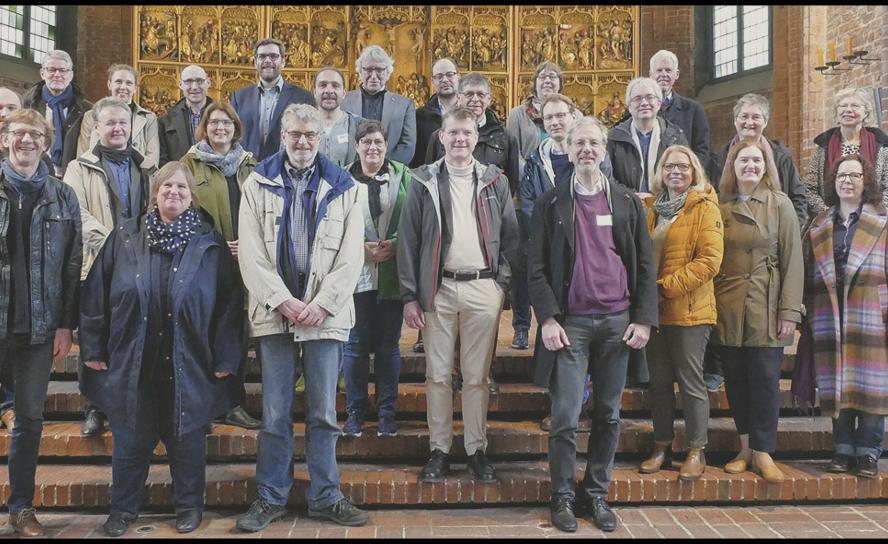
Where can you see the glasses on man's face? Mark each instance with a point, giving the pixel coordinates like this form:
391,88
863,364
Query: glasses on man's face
481,95
649,98
561,116
550,76
295,135
195,81
20,134
849,176
53,71
448,75
755,118
684,168
220,123
273,57
369,70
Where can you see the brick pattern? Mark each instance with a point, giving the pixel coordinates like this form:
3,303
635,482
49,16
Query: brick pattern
104,37
670,27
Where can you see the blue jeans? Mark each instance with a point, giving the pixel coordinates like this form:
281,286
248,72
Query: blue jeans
863,438
603,337
377,329
131,457
7,390
321,361
520,292
30,369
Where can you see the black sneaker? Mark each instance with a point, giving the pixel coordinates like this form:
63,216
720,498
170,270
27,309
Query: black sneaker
260,515
867,467
93,423
419,346
480,469
602,515
436,468
561,512
520,340
240,418
116,524
342,512
840,463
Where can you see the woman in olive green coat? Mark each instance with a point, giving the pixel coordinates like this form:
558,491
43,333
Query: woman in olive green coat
220,165
758,295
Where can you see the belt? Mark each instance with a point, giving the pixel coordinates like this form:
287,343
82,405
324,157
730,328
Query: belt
468,276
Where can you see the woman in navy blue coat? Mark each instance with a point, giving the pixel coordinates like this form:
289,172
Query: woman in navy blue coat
161,335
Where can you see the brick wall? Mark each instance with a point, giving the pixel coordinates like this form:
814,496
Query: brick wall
104,37
670,27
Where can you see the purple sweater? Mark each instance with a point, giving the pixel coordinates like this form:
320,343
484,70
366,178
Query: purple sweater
598,284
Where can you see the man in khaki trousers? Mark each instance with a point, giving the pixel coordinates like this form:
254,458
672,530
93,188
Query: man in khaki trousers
457,233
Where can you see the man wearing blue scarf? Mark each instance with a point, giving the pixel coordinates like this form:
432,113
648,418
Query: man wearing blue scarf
58,99
40,222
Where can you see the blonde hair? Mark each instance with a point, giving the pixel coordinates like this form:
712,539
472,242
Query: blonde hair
728,183
861,95
699,180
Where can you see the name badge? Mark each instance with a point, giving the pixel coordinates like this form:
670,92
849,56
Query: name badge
342,138
605,220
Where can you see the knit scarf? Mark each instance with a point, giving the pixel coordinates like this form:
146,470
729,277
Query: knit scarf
21,184
770,163
227,163
867,147
58,104
374,185
668,209
114,155
171,237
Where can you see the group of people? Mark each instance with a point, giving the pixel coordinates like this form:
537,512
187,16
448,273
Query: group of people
645,256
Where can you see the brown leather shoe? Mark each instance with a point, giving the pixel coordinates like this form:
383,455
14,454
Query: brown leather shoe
662,455
737,464
766,468
25,523
694,465
8,418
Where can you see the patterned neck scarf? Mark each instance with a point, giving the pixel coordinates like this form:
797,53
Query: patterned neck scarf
668,209
171,237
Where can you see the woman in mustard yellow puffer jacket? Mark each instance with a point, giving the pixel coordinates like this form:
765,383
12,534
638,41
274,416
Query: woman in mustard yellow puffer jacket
686,231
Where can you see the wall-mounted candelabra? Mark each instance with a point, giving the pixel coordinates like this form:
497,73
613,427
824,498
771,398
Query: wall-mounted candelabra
832,66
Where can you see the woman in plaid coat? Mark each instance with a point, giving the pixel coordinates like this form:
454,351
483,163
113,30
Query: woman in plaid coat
846,294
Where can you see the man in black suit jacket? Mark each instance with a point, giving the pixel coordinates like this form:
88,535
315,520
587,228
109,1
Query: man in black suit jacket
176,129
260,106
679,110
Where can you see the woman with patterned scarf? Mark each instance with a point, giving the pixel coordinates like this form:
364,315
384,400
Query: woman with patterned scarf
220,165
161,337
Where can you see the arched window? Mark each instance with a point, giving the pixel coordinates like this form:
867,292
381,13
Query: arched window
740,40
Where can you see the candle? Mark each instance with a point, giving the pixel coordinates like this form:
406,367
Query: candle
820,56
850,46
832,51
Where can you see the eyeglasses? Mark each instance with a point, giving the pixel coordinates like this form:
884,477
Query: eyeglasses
852,106
20,134
295,135
684,168
852,176
544,76
377,71
366,142
220,122
649,98
472,94
190,82
61,71
552,116
743,117
268,56
448,75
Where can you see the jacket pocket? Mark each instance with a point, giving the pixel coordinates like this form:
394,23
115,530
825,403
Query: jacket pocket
883,301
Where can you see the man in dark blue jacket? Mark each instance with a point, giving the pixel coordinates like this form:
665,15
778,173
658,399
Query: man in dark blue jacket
260,106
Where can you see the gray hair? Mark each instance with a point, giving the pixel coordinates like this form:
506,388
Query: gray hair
752,99
57,54
377,53
108,102
664,54
861,95
588,121
473,78
655,88
300,112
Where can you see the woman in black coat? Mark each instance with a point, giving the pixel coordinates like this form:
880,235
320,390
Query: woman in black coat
161,334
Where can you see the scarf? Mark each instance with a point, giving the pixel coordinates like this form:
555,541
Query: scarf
770,163
668,209
22,185
227,163
58,104
114,155
867,147
171,237
374,185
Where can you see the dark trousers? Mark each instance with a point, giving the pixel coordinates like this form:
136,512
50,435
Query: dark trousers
857,433
187,454
30,366
7,390
377,329
520,292
752,382
601,336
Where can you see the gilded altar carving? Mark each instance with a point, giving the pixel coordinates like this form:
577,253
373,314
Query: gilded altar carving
596,45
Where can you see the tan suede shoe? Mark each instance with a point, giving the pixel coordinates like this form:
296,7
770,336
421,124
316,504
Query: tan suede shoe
766,468
694,465
662,455
737,464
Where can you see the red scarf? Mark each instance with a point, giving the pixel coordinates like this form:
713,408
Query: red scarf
867,147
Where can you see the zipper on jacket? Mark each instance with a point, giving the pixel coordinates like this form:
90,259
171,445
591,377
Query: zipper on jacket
20,201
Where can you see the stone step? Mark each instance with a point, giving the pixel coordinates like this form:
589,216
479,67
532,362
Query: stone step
796,437
234,485
510,365
64,401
